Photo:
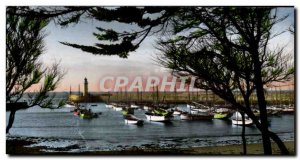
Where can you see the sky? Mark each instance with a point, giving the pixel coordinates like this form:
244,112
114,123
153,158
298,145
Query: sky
79,64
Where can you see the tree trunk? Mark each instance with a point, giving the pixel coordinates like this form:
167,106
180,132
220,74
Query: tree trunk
11,120
279,143
243,135
262,104
271,135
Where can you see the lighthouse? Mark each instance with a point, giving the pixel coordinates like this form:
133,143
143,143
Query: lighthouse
86,90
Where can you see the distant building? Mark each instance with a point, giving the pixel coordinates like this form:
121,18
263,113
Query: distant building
86,96
86,87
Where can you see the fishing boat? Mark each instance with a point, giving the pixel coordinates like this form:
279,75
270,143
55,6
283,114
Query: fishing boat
134,106
117,108
127,111
256,112
184,116
222,113
200,108
108,105
160,111
236,119
248,122
157,118
159,115
131,119
146,108
176,112
69,105
288,110
274,110
190,106
188,116
194,111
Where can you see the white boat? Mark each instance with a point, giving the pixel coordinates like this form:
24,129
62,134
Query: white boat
108,106
157,118
288,110
222,110
130,119
134,106
146,108
190,106
248,122
184,117
176,113
194,111
117,108
236,119
69,105
203,110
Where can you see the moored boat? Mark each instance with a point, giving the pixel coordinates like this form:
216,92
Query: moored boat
236,119
159,115
248,122
146,108
69,105
117,108
176,113
188,116
108,105
288,110
157,118
221,115
134,106
127,111
131,119
190,106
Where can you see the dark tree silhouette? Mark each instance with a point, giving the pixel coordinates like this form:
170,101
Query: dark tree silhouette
229,30
24,45
221,32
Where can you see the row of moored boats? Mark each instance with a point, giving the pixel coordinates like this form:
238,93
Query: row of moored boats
192,111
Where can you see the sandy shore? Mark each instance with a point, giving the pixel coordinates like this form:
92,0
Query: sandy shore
18,147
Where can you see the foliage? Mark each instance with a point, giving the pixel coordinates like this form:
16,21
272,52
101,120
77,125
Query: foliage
24,46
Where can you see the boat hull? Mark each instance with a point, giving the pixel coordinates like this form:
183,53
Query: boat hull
156,118
176,113
248,122
196,117
118,109
109,106
134,106
221,116
130,119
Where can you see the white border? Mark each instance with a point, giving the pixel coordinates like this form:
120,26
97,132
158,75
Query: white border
5,3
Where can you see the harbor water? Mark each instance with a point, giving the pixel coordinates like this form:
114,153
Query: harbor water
59,129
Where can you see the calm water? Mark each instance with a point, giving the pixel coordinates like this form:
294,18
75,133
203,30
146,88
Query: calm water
59,128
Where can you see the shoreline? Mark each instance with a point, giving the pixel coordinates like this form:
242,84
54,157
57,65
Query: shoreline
20,147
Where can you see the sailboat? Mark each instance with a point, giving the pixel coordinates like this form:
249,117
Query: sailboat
236,119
